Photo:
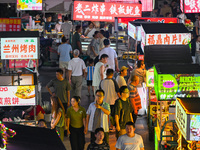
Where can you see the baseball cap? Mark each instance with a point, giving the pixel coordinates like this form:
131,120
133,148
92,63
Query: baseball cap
123,68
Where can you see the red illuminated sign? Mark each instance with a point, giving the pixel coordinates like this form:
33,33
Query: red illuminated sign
191,6
98,11
161,20
10,24
20,63
147,5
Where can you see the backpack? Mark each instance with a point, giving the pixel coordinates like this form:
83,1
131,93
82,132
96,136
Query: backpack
112,116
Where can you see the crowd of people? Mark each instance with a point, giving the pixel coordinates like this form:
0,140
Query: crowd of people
116,100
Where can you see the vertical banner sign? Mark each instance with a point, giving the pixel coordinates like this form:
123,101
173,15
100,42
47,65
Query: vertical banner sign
10,24
17,95
99,11
181,119
19,48
132,31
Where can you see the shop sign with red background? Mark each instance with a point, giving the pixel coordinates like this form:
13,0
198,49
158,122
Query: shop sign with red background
161,20
10,24
99,11
147,5
19,48
22,63
190,6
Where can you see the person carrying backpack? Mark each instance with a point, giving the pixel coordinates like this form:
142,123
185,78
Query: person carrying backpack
123,111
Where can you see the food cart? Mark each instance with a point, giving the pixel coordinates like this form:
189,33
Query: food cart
172,81
188,122
19,87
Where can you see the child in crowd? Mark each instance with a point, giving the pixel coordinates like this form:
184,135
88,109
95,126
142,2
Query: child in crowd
42,123
89,75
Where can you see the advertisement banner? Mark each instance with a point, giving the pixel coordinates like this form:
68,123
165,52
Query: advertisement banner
181,119
147,5
150,77
168,39
10,24
19,48
99,11
171,86
191,6
17,95
194,128
21,63
148,19
143,36
132,31
29,4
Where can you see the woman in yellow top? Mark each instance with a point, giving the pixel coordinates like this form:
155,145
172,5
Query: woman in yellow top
75,122
58,116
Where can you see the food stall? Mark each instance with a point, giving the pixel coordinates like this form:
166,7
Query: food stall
188,122
172,81
19,87
104,12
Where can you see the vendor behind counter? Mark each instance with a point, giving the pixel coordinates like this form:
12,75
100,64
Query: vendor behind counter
48,24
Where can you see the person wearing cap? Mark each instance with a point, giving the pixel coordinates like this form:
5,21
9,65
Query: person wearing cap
76,68
120,78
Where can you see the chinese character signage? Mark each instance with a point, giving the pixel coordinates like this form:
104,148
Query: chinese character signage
21,63
143,36
19,48
149,19
170,86
29,4
168,39
181,119
99,11
191,6
150,77
132,30
17,95
10,24
147,5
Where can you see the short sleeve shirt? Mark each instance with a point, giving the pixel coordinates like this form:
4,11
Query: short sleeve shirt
95,146
95,44
76,65
66,27
125,142
64,50
75,39
76,118
121,81
61,88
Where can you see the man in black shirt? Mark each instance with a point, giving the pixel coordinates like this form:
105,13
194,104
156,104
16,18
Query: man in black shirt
99,144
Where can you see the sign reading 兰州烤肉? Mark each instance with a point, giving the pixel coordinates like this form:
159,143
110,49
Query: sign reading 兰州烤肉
17,95
100,11
170,86
19,48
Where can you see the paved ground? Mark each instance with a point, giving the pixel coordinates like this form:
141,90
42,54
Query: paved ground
48,73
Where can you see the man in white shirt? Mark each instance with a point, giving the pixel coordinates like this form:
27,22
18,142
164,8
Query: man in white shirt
130,140
112,60
76,70
66,27
120,78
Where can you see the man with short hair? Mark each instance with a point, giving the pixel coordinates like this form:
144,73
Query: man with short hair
130,140
66,27
99,144
64,51
112,60
76,69
76,40
62,88
99,72
120,78
97,116
134,97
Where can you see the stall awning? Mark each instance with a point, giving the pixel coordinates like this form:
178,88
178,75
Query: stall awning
156,54
165,28
141,22
191,104
177,68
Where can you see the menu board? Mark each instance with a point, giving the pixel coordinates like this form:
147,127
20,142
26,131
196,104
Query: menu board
99,11
170,86
17,95
29,4
10,24
19,48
